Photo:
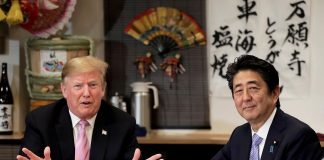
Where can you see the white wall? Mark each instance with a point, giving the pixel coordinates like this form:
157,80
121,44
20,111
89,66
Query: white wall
224,117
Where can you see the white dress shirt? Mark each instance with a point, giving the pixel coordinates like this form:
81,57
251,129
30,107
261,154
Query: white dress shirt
89,129
264,130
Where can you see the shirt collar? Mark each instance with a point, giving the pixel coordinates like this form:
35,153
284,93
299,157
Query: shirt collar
263,131
75,119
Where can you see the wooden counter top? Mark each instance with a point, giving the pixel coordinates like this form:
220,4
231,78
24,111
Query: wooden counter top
157,137
15,136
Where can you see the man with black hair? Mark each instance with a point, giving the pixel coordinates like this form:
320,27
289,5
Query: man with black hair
269,134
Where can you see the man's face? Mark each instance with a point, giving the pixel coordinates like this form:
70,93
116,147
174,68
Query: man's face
83,93
252,98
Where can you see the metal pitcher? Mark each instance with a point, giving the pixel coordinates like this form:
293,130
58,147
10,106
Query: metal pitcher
141,104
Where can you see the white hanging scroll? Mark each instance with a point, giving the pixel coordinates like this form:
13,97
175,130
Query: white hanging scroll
274,30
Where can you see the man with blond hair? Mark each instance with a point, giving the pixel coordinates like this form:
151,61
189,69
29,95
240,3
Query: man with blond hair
81,125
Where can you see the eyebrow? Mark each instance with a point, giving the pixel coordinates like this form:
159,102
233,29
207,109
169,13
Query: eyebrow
249,82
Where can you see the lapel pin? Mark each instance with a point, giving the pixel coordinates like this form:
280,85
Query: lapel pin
272,146
271,149
104,132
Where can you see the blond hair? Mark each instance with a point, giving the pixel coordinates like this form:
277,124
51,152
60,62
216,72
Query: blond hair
84,64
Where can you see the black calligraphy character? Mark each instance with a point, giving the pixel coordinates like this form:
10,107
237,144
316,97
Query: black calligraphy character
271,57
4,111
269,32
246,10
5,124
246,42
222,38
297,35
297,11
270,24
221,63
295,60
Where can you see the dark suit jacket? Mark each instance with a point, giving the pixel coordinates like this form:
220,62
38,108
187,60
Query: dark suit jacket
51,126
288,139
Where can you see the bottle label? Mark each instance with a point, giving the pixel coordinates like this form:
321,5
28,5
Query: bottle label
5,117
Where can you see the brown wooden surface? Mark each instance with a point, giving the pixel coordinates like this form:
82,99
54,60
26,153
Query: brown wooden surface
186,138
38,103
14,136
156,138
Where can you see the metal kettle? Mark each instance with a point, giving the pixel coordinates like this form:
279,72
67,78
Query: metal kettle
118,101
141,103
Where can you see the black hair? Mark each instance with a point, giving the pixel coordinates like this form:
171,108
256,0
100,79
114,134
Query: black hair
249,62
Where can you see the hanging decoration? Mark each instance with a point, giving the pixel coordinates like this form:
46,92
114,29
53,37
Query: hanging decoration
10,12
14,15
45,17
172,66
2,15
42,18
4,8
145,64
166,30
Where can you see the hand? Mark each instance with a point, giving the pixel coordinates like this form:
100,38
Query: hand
33,156
137,156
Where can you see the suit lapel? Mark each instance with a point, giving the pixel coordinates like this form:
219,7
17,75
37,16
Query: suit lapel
100,134
245,143
274,136
239,144
64,133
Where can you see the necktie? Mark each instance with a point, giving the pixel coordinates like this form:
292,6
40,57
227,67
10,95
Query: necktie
82,146
256,140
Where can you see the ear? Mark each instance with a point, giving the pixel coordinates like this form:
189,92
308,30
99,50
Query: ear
104,86
276,93
104,89
63,89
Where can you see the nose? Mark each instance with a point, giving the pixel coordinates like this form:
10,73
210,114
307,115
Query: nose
86,92
246,95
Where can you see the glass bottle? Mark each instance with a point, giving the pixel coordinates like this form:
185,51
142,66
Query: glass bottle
6,103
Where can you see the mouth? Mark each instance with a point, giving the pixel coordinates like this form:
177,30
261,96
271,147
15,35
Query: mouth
249,106
86,103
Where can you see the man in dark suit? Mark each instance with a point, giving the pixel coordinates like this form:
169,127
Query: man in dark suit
109,133
254,84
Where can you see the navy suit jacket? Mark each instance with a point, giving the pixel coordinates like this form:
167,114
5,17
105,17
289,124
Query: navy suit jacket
51,126
288,139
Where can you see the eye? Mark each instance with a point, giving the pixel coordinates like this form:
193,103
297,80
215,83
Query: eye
77,86
93,85
254,89
238,91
